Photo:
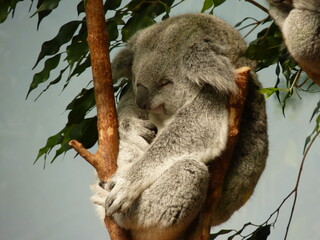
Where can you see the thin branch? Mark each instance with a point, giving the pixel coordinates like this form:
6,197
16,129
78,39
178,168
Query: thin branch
83,152
258,5
295,190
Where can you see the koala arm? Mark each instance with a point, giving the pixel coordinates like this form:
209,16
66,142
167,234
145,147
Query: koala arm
135,131
207,116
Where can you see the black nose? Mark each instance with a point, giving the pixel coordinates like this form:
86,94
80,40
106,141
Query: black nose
142,97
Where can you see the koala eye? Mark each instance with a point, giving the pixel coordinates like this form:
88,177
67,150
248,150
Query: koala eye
164,82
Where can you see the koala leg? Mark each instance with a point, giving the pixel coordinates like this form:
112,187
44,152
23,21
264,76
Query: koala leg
167,207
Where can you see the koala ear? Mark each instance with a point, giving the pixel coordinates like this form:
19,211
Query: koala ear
205,63
122,65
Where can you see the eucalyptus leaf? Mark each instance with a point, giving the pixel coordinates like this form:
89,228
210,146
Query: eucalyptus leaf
64,35
206,5
6,7
42,76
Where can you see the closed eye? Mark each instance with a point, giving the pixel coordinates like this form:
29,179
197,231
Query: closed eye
164,82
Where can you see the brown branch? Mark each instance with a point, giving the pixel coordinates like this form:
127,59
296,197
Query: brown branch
258,5
104,160
219,167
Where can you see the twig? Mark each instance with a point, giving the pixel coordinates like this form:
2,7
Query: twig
295,190
258,5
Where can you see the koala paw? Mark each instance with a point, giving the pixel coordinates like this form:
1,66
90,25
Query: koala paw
99,199
131,128
121,193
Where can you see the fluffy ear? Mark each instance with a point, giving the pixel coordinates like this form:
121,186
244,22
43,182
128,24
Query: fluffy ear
205,63
122,65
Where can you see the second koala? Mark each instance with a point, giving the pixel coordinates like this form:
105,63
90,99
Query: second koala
173,120
299,21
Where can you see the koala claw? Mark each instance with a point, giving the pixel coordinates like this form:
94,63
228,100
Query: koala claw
121,195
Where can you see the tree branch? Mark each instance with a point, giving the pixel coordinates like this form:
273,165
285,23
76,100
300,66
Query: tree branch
105,159
219,167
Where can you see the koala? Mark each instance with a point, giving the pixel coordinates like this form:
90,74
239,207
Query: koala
173,121
299,21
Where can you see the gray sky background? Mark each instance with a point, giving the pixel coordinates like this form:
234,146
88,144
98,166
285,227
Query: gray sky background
54,204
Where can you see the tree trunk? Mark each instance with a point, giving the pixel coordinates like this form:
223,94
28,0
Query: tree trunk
105,159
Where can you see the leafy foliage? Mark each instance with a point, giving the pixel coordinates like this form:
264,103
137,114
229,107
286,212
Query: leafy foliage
6,8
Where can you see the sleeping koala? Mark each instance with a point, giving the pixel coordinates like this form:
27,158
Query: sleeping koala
173,120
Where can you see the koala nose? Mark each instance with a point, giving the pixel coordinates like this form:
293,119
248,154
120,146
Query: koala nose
142,97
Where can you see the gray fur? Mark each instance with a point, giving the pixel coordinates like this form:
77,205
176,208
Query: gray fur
181,72
299,21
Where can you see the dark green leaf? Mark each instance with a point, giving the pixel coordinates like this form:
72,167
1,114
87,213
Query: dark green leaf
113,30
261,233
80,106
218,2
55,81
45,5
78,47
80,7
51,143
64,35
6,7
42,76
112,4
150,9
81,67
266,52
315,111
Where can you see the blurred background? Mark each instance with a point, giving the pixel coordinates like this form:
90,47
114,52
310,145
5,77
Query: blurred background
53,203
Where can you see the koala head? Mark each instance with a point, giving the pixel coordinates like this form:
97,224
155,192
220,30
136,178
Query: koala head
171,61
160,85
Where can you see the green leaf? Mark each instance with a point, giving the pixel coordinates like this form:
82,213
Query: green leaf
206,5
80,7
44,8
80,106
78,47
64,35
81,67
112,4
55,81
113,29
315,111
44,5
261,233
218,2
266,52
211,3
51,143
269,91
6,7
42,76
